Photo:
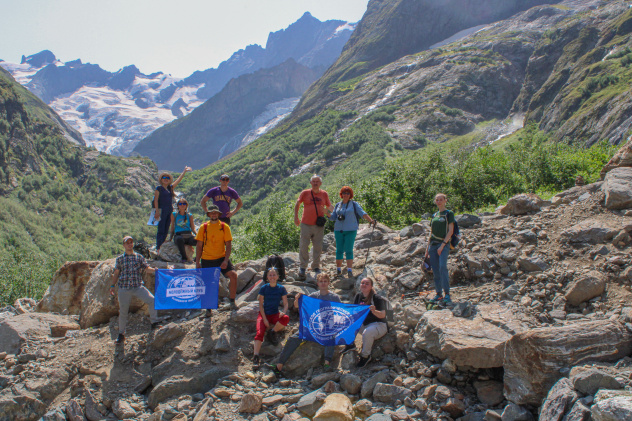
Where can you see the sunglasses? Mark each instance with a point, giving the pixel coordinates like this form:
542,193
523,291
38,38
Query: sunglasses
224,179
164,177
345,192
182,204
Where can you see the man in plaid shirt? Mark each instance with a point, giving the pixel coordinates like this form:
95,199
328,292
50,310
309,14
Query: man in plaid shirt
128,275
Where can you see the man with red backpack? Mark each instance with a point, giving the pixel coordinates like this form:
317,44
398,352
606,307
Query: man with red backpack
214,244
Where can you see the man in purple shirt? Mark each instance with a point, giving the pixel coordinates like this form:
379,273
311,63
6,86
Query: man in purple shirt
222,196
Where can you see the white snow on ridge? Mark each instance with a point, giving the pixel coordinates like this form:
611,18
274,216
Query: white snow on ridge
346,26
22,73
269,119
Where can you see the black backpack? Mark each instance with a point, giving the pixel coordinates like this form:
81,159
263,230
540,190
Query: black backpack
274,261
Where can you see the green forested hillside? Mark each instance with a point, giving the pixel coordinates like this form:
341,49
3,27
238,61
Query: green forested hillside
59,201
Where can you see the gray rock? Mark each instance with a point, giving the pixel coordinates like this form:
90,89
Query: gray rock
168,334
92,412
418,229
513,412
527,236
299,363
55,414
224,342
579,412
321,379
587,286
413,312
467,221
463,309
591,231
123,410
533,264
351,383
247,313
180,385
16,330
489,392
410,279
389,393
369,385
251,403
406,232
559,400
74,412
311,403
618,188
612,405
379,417
473,416
588,382
522,204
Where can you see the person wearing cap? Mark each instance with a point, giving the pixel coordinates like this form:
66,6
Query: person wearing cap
214,244
128,276
183,228
316,205
163,203
222,196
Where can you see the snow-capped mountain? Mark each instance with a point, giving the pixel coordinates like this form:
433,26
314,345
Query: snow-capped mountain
115,111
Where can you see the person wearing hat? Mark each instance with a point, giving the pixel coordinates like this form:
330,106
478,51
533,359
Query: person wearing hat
214,244
163,203
128,276
222,196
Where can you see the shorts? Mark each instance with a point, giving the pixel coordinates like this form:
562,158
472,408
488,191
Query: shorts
225,220
272,319
215,263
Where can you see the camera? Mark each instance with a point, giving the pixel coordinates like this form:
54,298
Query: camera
341,217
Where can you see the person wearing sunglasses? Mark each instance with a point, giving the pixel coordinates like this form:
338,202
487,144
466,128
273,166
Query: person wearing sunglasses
222,196
183,228
163,203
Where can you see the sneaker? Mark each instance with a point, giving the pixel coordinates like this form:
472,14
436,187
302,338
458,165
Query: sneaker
233,306
206,313
155,325
348,348
327,368
278,373
338,274
120,339
363,361
446,299
436,298
350,274
273,337
317,271
301,275
256,362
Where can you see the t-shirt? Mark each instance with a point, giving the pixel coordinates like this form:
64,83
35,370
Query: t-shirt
183,222
272,297
351,221
438,225
216,238
222,198
330,296
165,198
309,211
378,302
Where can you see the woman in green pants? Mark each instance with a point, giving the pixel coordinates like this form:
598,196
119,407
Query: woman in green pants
347,215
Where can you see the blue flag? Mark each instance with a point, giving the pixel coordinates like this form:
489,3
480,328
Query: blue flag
329,323
186,288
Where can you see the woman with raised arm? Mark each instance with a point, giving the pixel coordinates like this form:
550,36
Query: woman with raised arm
163,203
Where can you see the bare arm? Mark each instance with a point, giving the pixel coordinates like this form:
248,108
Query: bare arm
191,224
285,305
203,203
229,248
297,222
298,295
175,183
156,196
262,311
172,227
198,253
240,203
115,276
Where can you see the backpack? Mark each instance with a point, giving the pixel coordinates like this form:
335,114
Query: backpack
456,233
355,210
274,261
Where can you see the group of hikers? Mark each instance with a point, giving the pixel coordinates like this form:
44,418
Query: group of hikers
213,246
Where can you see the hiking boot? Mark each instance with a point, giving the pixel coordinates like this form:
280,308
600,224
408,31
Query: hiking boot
446,300
436,298
233,306
278,373
327,367
363,361
349,274
256,362
338,274
120,339
301,275
155,325
348,348
317,271
273,337
206,313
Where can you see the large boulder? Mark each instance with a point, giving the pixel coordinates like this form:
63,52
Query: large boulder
180,385
612,405
97,305
533,359
337,407
560,400
169,252
567,196
522,204
587,286
589,380
475,342
66,289
591,231
16,330
466,220
309,355
618,188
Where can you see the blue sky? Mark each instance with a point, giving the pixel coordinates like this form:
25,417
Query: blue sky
176,37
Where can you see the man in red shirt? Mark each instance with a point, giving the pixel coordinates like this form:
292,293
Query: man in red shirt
315,204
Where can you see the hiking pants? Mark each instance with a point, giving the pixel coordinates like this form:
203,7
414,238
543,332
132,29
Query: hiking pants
315,234
344,244
440,267
292,345
371,333
124,299
163,226
181,241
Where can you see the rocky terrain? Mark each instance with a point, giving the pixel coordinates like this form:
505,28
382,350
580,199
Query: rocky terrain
540,328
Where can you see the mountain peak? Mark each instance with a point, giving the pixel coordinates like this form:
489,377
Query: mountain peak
40,59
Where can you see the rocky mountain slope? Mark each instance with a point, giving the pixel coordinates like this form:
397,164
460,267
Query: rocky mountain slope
541,328
230,119
115,110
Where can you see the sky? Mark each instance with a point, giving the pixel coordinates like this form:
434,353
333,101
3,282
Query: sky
176,37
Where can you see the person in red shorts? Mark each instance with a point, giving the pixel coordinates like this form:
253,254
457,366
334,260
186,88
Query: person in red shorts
269,318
